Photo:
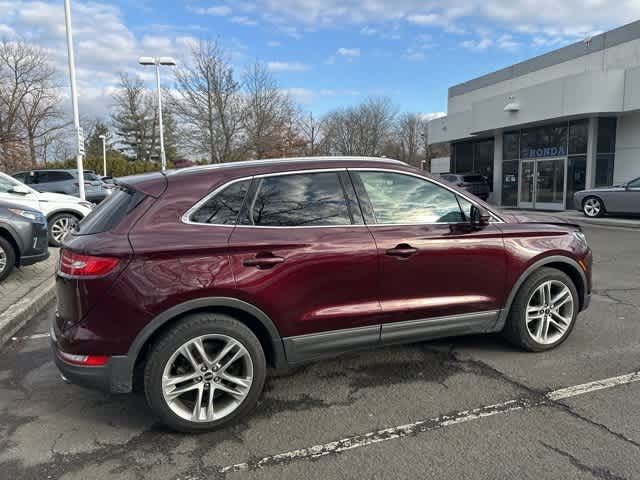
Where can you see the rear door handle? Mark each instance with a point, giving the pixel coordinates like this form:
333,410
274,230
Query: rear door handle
263,262
403,250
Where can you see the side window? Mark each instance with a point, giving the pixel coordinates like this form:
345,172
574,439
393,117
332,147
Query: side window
299,200
5,185
405,199
21,177
50,176
465,205
223,208
634,184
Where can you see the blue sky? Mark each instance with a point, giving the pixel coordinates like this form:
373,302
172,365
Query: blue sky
326,53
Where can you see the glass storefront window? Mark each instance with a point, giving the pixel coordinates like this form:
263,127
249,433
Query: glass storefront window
511,146
578,137
607,135
546,141
463,157
510,183
576,177
604,169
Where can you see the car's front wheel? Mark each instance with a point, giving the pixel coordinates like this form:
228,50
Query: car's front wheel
60,225
593,207
7,258
206,372
543,312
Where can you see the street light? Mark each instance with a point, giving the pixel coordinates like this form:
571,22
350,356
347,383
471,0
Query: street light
74,97
104,153
157,61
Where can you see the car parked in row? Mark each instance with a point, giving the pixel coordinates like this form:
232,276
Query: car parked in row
23,237
473,183
617,199
63,212
199,279
65,181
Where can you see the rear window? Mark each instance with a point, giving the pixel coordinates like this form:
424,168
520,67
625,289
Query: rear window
473,178
110,212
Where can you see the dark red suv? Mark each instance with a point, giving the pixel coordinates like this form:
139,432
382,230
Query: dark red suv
195,281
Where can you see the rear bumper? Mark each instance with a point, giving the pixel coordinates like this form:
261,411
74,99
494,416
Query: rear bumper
114,377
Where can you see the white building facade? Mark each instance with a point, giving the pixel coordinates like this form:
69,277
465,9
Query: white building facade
545,128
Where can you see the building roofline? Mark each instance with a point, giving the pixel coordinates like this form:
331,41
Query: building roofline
597,43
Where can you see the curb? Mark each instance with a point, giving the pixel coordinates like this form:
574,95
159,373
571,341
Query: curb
18,314
612,223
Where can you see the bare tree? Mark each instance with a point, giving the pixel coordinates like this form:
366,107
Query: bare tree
29,102
267,112
310,128
208,101
409,132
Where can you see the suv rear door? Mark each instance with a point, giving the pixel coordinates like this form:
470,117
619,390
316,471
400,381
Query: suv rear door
438,274
302,253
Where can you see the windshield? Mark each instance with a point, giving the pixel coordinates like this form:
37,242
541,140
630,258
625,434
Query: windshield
11,182
92,177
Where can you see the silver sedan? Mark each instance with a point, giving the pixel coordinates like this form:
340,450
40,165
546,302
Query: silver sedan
595,202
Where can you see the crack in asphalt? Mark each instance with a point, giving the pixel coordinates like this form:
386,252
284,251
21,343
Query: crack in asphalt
597,472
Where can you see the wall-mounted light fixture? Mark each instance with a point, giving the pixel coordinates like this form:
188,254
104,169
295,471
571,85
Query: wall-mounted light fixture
512,106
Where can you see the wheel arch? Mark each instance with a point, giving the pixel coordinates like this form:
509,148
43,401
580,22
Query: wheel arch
9,236
564,264
250,315
593,195
70,211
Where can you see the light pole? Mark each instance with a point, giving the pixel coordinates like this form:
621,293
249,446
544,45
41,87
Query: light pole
74,98
104,154
157,61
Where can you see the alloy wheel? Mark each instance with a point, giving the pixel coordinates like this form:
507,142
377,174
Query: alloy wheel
549,312
592,207
62,226
3,260
207,378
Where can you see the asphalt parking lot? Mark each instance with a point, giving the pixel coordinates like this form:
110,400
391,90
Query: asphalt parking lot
468,408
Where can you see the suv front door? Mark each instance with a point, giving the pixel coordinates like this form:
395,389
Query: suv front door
439,275
302,254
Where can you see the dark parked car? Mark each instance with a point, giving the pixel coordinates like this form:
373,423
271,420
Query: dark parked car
23,237
65,181
472,182
595,202
202,278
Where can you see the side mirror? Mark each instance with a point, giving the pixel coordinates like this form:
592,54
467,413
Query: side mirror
479,216
20,190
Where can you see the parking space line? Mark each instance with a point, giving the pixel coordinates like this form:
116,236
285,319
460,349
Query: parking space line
358,441
35,336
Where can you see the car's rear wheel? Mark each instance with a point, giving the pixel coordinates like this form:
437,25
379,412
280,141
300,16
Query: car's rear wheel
593,207
544,311
7,258
204,373
60,225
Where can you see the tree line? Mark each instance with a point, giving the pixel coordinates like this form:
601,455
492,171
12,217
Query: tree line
211,114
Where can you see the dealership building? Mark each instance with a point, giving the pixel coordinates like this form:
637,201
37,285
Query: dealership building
547,127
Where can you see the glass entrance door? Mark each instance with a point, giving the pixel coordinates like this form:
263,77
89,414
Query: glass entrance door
542,184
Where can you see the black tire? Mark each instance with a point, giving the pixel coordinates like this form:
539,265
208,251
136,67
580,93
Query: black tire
516,330
7,251
189,328
53,221
597,203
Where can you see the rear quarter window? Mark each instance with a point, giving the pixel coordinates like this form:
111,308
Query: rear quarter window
110,212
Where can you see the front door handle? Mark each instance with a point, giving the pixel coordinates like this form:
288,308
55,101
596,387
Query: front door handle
262,261
403,250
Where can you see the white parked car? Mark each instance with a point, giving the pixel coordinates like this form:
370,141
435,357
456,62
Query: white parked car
63,212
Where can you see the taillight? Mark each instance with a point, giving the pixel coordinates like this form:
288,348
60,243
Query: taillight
77,265
84,360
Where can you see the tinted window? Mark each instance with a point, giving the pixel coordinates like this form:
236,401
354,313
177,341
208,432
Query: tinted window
20,176
606,135
578,136
511,146
110,212
47,177
90,176
404,199
313,199
634,183
466,206
223,208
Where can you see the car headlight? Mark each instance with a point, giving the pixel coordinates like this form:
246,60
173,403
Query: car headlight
30,214
580,236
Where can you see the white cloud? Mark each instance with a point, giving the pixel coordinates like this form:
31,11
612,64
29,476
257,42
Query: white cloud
424,18
348,52
478,45
507,42
300,95
273,44
215,11
427,117
287,66
368,31
243,20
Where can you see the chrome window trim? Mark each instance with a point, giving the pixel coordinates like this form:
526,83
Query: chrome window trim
186,216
